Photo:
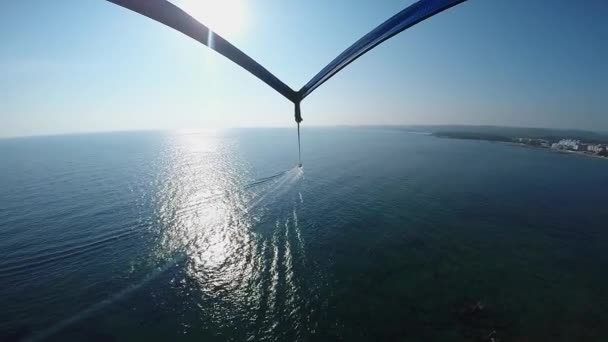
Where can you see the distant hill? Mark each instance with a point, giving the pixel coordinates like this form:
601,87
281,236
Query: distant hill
472,136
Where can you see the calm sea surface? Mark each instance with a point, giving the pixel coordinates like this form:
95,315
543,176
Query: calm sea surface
383,235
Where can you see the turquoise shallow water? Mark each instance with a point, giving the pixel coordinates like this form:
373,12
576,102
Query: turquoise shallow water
384,234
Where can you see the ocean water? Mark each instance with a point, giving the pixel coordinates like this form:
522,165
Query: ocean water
216,236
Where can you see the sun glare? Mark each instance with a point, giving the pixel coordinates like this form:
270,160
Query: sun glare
225,17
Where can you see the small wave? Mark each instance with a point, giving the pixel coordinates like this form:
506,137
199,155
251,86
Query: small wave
12,268
26,264
280,268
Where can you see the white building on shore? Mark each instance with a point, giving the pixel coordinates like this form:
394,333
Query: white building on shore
596,148
567,144
577,145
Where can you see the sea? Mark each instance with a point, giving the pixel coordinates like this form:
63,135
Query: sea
218,235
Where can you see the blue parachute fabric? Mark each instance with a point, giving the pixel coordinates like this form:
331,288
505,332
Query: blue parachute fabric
167,13
401,21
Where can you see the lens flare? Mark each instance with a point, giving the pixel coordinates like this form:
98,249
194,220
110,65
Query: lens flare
226,17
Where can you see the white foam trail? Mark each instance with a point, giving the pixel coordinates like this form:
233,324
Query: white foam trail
290,278
193,207
296,227
289,275
278,188
274,270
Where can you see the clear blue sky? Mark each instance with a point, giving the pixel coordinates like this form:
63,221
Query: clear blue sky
88,65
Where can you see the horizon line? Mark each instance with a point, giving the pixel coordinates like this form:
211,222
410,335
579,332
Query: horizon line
200,129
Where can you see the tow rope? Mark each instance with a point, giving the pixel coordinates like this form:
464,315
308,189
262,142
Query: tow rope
299,149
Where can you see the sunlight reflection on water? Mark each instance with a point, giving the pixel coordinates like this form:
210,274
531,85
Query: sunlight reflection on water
208,221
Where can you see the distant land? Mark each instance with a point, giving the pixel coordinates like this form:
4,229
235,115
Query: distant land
581,142
506,133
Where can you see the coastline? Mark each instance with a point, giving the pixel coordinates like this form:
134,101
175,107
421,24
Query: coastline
578,152
581,153
519,144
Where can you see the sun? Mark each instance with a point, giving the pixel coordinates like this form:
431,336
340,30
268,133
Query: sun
225,17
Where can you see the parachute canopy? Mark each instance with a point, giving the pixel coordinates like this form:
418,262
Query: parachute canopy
167,13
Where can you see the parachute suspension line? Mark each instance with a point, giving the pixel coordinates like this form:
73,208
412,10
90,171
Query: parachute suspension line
298,117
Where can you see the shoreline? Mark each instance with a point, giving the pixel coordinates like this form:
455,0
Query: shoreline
580,153
513,143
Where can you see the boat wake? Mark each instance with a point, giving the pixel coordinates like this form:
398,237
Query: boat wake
213,248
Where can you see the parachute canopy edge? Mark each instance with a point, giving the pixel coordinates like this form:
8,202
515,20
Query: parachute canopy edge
168,14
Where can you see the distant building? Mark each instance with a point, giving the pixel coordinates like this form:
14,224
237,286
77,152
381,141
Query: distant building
596,148
577,145
533,142
567,144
